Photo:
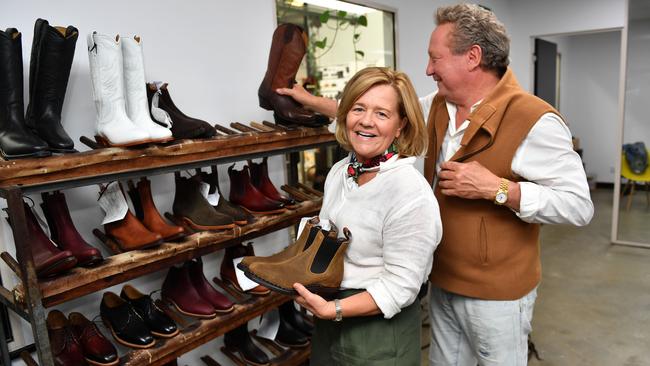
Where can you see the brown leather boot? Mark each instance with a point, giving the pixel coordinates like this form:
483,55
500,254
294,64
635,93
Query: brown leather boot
145,211
260,179
288,47
319,268
227,270
305,239
194,209
130,234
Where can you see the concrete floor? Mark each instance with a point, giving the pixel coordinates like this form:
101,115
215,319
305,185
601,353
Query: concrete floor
593,305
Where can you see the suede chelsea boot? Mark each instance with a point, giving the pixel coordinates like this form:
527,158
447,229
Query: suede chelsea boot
260,179
244,194
147,213
193,208
319,268
63,231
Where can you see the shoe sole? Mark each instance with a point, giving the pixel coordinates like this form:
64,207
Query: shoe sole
37,154
51,270
95,260
200,316
123,342
277,211
144,246
302,345
195,226
256,293
104,142
317,289
163,335
246,360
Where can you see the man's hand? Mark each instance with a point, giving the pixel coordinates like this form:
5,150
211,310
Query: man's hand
318,306
467,180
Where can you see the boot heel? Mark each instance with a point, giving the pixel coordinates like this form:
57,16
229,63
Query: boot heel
264,103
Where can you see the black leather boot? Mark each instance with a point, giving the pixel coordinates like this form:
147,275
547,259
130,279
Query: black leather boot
49,70
16,141
291,315
289,336
238,340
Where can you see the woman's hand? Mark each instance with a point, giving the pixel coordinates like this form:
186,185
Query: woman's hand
318,306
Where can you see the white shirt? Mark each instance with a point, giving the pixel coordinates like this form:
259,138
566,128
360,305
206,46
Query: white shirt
557,191
395,227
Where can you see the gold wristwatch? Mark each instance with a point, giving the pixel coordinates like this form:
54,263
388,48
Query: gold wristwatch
501,196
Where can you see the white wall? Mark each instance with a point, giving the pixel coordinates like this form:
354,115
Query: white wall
636,127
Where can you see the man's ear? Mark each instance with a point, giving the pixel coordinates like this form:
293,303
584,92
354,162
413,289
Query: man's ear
474,57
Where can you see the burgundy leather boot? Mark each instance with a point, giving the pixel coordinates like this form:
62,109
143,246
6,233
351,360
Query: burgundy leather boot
261,181
147,213
288,47
179,290
243,193
63,231
65,348
239,216
218,300
49,260
227,270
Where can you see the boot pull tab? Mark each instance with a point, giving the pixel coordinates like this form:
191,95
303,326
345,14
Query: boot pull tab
92,46
230,169
347,233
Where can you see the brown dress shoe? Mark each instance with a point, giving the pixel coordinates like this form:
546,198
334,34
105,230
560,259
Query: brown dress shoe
305,239
260,179
145,211
65,348
194,209
243,193
227,270
319,268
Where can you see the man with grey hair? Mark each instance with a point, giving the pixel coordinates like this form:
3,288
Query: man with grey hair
501,162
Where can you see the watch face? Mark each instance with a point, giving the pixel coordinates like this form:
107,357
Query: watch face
501,198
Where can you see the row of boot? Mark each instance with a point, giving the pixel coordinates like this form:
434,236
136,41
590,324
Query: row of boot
314,260
37,132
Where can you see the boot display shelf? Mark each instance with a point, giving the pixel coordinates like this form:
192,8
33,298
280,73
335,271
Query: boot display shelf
28,176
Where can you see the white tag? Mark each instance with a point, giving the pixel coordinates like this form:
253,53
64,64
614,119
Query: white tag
244,282
213,198
204,188
269,325
41,221
113,203
159,114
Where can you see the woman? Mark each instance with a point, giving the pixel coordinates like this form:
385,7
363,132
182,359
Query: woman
390,209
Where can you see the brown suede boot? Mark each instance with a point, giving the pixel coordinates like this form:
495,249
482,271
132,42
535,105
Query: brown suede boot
305,239
319,268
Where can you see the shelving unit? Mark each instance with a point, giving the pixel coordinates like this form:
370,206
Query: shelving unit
32,296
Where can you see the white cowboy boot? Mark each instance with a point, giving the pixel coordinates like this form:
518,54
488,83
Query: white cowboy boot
114,127
136,92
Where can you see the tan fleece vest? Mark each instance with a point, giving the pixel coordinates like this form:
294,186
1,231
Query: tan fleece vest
486,251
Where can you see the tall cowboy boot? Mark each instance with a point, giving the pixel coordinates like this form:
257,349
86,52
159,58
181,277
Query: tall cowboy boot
136,93
49,70
239,216
49,260
260,179
165,112
288,47
63,231
16,141
227,270
145,211
319,268
114,128
243,193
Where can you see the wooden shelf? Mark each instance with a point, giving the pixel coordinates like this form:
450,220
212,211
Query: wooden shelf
128,265
203,331
100,165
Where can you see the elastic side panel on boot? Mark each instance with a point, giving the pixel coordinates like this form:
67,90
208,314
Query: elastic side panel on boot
324,255
312,235
137,204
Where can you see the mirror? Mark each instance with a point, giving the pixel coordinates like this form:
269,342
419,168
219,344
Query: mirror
631,211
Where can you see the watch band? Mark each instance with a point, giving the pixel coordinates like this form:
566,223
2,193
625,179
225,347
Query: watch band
339,311
501,196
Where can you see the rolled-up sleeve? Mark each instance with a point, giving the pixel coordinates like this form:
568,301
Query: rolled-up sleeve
410,236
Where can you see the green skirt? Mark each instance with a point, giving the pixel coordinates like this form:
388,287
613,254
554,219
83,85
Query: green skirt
368,340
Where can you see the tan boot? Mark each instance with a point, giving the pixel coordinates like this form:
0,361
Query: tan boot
305,239
319,268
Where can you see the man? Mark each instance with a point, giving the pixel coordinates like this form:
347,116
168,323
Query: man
501,163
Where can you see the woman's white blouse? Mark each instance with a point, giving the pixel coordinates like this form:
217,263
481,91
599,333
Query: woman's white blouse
395,225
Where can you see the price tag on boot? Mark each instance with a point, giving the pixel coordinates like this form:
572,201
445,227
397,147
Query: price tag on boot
113,203
269,324
213,198
244,282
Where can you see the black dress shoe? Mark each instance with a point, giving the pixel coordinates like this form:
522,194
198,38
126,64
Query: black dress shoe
125,324
291,315
160,325
289,336
238,340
